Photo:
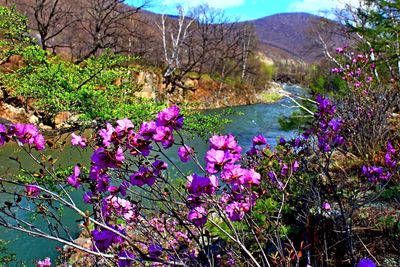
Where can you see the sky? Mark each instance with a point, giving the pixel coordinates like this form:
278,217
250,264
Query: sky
253,9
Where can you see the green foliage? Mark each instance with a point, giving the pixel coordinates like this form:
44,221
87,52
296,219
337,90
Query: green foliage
14,33
268,71
100,87
270,97
380,30
204,125
5,257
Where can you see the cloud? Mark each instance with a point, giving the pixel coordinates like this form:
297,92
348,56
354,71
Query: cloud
319,7
221,4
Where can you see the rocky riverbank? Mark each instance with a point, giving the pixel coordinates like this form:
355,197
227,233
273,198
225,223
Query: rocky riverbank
206,93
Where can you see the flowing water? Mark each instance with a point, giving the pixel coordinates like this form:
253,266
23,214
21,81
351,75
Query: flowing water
247,121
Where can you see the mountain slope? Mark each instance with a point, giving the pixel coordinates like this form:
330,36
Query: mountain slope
295,35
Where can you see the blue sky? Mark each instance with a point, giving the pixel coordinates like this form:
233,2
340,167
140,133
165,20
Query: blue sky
253,9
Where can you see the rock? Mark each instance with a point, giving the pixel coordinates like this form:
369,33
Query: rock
61,118
149,82
33,119
2,94
45,127
5,121
74,118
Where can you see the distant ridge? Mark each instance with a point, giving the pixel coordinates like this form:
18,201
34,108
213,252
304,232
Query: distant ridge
293,34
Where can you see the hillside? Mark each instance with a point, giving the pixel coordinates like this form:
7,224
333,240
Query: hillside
293,35
282,37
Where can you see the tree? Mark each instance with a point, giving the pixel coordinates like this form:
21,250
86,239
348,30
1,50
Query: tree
51,18
105,24
376,23
203,41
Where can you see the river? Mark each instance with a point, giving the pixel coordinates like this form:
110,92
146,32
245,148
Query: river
254,119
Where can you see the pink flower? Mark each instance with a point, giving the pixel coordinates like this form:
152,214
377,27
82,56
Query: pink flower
32,190
224,142
216,160
198,216
44,263
143,176
259,140
106,134
198,185
170,117
184,153
326,206
123,126
165,136
339,50
74,178
77,140
233,174
250,177
28,134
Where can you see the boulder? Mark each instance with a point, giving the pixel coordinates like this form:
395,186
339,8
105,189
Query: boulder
33,119
61,118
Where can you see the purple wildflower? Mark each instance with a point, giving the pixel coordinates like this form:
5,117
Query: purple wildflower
366,263
159,166
3,134
198,216
198,185
103,239
155,250
234,211
295,166
147,130
143,176
87,197
73,179
123,126
108,159
77,140
170,117
44,263
185,152
127,262
107,134
165,136
32,190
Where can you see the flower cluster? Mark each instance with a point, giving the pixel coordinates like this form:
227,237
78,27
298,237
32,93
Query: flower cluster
382,173
222,159
328,130
115,206
118,140
44,263
259,142
359,71
104,239
22,134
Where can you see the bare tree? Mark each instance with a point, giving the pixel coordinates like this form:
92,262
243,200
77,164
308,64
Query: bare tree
173,39
106,24
52,17
202,41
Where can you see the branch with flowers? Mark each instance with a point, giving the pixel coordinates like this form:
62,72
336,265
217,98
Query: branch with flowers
295,205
